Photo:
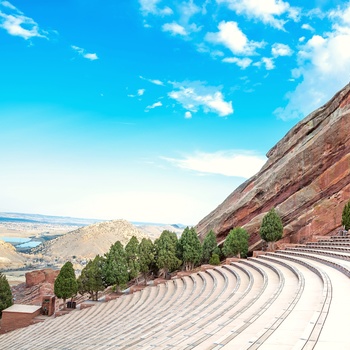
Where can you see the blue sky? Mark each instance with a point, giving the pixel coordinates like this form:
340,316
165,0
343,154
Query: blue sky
155,110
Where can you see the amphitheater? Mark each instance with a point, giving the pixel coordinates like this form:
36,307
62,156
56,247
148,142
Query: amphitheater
297,298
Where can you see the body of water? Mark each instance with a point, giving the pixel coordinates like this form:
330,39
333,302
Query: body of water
20,242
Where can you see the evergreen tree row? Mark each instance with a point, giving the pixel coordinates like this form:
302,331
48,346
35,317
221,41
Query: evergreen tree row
168,253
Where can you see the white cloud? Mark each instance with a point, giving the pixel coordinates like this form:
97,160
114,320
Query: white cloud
267,11
154,105
139,93
82,52
279,49
187,10
153,81
17,24
267,62
228,163
174,29
240,62
188,115
90,56
9,5
307,26
233,38
151,7
323,67
195,95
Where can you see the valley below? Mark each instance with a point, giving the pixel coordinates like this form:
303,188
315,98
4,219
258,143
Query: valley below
31,242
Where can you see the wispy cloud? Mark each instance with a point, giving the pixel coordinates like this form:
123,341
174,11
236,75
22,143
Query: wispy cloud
307,26
139,93
323,67
267,11
188,115
228,163
17,24
152,7
154,105
266,62
279,49
240,62
174,29
82,52
234,39
9,5
153,81
195,95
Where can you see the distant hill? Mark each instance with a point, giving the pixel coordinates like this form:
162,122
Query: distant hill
154,231
9,258
87,242
45,219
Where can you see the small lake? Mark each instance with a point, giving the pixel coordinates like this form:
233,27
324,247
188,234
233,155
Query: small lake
20,242
15,239
30,244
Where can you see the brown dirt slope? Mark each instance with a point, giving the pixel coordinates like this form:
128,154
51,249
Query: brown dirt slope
87,242
306,178
9,258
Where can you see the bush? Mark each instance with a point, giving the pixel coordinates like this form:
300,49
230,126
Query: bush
271,229
5,294
214,260
345,219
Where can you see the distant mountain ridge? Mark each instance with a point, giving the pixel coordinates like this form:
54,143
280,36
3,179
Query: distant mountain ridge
67,220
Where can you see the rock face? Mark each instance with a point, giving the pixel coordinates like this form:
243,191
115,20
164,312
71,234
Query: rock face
306,178
41,276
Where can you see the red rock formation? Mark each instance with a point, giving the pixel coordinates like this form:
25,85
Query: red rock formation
306,178
41,276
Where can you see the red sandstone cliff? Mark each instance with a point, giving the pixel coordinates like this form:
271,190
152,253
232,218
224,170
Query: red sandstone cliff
306,177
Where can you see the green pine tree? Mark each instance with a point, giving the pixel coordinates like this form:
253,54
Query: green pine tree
190,248
345,219
115,269
146,257
271,229
6,299
166,249
132,257
209,246
66,285
236,243
91,278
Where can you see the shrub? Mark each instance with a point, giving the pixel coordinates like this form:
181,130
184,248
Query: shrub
214,260
345,219
6,299
271,229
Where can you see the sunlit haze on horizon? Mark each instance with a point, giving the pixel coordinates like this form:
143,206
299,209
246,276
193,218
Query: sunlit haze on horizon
155,110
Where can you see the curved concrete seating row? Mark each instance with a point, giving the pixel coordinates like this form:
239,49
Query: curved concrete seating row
127,330
290,299
309,310
257,314
178,326
334,333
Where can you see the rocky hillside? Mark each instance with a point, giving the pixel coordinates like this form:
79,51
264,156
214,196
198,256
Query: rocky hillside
87,242
306,177
9,258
